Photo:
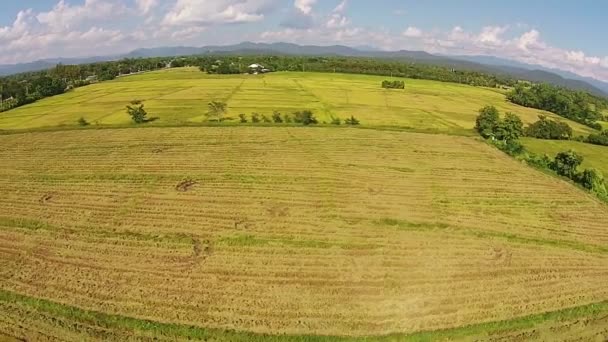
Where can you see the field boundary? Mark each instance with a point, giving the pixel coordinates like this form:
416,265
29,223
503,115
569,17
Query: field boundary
147,328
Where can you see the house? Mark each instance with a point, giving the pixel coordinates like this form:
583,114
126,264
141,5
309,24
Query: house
258,69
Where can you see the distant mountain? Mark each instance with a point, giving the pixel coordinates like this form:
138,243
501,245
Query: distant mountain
541,74
486,64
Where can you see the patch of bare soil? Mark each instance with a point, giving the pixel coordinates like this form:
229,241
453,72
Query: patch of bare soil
45,198
185,185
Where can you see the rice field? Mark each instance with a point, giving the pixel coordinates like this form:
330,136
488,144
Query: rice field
180,96
595,156
249,233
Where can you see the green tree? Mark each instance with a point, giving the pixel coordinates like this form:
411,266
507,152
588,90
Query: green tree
510,128
137,112
352,121
305,117
488,121
242,118
255,117
276,117
566,164
593,180
83,122
216,111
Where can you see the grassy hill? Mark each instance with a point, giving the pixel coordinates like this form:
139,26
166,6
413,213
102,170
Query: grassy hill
314,231
181,95
595,156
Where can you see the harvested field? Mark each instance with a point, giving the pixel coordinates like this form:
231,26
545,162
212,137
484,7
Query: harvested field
303,231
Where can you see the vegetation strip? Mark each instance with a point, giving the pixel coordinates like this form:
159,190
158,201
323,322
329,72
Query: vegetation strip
147,327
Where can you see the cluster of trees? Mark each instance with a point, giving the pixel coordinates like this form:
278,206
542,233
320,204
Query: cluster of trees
505,134
490,125
577,106
546,128
303,117
598,139
393,84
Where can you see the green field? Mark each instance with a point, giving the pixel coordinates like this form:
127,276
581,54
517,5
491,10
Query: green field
179,96
595,156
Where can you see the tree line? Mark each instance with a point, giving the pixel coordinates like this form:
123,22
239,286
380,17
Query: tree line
504,133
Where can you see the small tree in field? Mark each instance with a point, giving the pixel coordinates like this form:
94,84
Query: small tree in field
276,117
566,163
255,117
488,121
352,121
137,112
305,117
83,122
216,111
243,118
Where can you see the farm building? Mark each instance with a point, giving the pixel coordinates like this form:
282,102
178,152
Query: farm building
258,69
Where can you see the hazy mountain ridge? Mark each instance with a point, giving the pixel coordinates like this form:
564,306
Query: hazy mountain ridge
487,64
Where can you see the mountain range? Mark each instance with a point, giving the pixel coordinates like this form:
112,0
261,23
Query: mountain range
487,64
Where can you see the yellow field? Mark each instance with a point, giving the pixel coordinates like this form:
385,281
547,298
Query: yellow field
304,231
181,95
595,156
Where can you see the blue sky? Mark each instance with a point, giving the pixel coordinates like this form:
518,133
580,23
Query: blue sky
568,35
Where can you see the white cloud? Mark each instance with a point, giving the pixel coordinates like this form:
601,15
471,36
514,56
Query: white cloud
341,6
145,6
65,16
305,6
209,12
412,32
491,35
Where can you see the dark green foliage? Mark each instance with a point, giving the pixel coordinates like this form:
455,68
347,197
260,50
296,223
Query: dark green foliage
542,162
546,128
336,121
83,122
393,84
574,105
598,139
137,112
305,117
216,111
593,180
488,121
255,117
510,128
567,163
242,118
352,121
276,117
287,118
511,147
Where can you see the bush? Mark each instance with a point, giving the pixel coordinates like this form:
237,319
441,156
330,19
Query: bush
287,118
216,112
266,119
336,121
546,128
543,162
511,128
393,84
83,122
352,121
305,117
593,180
243,118
137,112
488,121
510,147
566,163
255,117
276,117
598,139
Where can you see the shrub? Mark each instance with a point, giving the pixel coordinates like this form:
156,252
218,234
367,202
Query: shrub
598,139
243,118
83,122
546,128
352,121
543,162
276,117
265,118
593,180
393,84
336,121
305,117
287,118
488,121
216,112
511,128
566,163
137,112
255,117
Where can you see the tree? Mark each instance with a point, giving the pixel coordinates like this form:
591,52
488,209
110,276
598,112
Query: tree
593,180
243,118
352,121
276,117
216,111
305,117
510,128
137,112
255,117
488,121
336,121
566,163
546,128
83,122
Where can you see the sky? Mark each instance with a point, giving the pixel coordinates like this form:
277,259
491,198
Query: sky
568,35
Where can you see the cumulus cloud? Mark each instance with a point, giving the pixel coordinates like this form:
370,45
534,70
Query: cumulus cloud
305,6
145,6
412,32
210,12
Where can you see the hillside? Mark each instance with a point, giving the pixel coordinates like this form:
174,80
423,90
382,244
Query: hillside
179,96
186,233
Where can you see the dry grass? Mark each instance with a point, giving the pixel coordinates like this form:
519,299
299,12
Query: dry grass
292,230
